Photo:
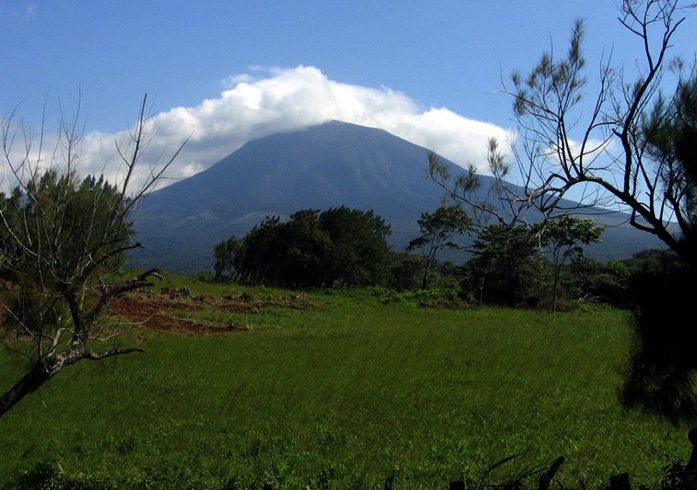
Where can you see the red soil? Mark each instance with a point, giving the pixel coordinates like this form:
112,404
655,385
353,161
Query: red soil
158,311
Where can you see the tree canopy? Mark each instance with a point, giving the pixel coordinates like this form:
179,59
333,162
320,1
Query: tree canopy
338,246
438,231
564,238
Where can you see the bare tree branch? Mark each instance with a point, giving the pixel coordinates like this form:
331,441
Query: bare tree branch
562,146
61,241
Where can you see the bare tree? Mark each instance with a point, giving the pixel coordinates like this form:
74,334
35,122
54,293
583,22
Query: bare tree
567,149
598,147
61,241
502,201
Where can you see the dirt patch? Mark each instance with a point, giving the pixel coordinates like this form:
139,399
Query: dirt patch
159,311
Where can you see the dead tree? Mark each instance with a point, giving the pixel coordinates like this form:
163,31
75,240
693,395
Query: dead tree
62,240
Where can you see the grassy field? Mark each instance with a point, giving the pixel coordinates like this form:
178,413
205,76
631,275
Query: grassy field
342,393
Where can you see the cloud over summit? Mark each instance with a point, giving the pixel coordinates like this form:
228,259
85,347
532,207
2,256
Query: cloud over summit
267,101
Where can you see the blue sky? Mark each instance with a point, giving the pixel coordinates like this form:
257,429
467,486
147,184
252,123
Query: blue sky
228,71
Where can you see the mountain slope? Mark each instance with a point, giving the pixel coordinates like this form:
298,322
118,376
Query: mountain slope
324,166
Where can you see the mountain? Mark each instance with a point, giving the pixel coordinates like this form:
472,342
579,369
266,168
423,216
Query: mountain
323,166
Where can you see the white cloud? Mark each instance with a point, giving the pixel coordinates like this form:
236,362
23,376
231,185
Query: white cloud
273,100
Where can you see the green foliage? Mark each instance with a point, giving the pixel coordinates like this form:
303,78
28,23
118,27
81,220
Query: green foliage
225,253
438,230
406,272
509,267
432,297
560,81
590,280
564,237
506,267
670,131
50,227
359,254
338,246
59,237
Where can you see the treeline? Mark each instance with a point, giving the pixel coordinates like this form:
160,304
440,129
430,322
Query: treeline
514,267
511,266
529,283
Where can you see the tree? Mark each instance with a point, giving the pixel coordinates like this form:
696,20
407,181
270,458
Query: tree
501,201
313,249
590,280
504,264
569,145
437,232
565,144
258,257
302,251
406,272
62,241
564,238
226,253
620,148
663,365
671,136
359,253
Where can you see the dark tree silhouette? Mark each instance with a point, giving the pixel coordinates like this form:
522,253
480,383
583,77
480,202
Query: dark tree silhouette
359,252
663,364
339,246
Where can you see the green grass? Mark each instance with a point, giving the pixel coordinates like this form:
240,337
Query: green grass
342,394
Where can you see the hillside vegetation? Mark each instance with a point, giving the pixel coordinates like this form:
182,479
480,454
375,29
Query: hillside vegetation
320,167
338,389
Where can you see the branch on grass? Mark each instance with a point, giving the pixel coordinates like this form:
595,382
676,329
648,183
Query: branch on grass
96,356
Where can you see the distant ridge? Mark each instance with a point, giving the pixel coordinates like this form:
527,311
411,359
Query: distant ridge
328,165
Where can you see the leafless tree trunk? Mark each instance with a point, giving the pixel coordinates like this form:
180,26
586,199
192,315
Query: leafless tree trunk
61,243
